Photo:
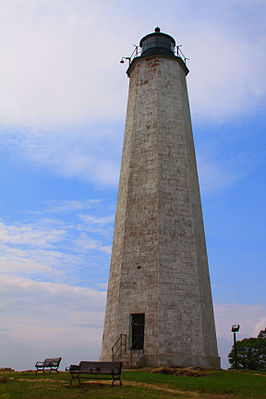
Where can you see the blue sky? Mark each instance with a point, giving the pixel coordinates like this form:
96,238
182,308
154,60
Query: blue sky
62,113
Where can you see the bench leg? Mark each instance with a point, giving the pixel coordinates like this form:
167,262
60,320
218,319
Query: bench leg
116,379
53,369
72,378
39,369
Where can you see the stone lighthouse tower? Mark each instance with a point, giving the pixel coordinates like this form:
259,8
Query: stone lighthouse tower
159,306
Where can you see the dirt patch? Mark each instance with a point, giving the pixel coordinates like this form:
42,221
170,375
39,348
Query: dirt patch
6,370
261,375
95,385
187,372
91,385
3,380
164,370
181,394
163,388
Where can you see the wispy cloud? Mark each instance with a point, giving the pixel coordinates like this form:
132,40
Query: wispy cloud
63,207
228,78
217,176
64,94
75,153
54,62
90,219
30,235
46,318
84,244
46,248
60,68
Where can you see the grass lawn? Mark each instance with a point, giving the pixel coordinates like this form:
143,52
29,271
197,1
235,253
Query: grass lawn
137,384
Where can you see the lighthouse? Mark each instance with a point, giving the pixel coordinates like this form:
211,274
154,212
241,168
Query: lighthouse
159,308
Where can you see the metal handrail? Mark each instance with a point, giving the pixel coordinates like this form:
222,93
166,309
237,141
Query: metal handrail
180,54
121,344
137,53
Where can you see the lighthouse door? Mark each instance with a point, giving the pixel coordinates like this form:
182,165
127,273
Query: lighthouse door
137,330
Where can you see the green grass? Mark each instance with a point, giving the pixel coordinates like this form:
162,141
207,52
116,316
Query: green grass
137,385
239,384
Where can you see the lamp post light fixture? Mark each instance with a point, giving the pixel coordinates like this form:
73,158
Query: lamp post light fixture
235,329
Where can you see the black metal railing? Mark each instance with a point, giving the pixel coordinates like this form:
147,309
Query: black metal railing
180,54
120,346
137,53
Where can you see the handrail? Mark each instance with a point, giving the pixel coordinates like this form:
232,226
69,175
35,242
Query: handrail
137,53
121,344
116,342
180,54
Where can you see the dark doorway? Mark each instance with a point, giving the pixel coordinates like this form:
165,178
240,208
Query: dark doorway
137,330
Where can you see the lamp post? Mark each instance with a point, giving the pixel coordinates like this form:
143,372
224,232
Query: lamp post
235,328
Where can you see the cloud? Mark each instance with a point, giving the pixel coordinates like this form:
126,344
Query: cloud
60,60
64,93
52,286
31,235
90,219
55,62
65,207
219,175
214,177
21,261
225,82
69,153
56,243
83,244
49,319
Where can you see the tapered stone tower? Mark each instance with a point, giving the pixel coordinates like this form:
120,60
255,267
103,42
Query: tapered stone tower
159,306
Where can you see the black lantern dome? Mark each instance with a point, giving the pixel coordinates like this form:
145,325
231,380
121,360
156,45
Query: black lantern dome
157,43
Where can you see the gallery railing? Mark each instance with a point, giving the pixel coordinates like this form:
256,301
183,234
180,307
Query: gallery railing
137,53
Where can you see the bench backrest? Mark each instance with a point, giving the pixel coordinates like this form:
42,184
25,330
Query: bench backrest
54,362
104,366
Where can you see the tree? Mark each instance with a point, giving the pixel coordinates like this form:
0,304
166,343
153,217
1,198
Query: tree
251,353
262,333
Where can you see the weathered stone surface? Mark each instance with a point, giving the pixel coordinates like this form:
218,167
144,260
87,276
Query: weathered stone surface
159,227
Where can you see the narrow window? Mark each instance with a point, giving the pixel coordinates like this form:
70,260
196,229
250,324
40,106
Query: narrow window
137,330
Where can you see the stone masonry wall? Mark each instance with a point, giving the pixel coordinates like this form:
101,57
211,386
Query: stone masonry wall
159,226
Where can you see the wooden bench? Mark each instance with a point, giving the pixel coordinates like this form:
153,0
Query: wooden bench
97,369
52,364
